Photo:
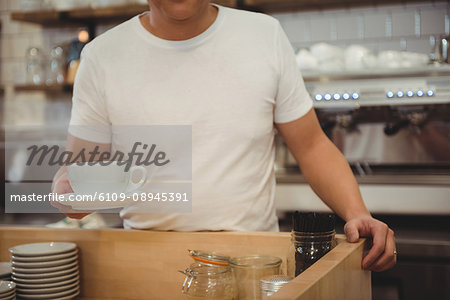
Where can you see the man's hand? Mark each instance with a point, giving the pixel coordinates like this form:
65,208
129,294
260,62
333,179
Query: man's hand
61,185
382,255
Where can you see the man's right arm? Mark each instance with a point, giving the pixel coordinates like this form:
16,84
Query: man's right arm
61,183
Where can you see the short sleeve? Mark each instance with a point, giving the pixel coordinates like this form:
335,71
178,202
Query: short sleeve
89,120
292,99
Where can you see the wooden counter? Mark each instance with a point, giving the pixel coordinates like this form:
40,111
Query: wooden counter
130,264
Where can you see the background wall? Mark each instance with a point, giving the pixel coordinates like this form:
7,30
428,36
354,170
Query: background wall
30,108
399,27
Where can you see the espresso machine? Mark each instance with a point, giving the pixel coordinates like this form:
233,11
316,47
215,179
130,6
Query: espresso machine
391,123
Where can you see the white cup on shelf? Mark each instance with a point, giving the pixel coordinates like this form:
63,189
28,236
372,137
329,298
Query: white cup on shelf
31,5
66,4
107,3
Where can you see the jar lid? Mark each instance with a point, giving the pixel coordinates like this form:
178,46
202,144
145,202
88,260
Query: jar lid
273,283
209,258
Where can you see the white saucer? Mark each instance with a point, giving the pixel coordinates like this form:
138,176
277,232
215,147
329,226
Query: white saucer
96,204
44,270
6,286
5,269
45,275
7,294
10,297
49,296
50,290
69,297
46,285
41,249
45,264
43,258
45,280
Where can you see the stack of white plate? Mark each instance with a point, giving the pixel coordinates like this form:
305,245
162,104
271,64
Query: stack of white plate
7,290
46,270
5,271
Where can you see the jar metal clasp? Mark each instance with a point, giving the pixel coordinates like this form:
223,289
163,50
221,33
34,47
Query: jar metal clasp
187,281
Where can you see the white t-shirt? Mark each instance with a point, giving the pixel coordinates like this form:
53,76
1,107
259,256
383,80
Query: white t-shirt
231,83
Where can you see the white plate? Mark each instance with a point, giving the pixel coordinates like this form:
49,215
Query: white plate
40,249
67,297
44,270
45,275
5,269
43,258
45,280
46,285
49,296
11,297
45,264
6,286
49,290
7,294
96,204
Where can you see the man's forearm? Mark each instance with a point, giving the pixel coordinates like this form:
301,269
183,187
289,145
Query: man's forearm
323,166
331,178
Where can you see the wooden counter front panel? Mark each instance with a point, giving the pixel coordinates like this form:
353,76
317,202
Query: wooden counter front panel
119,264
129,264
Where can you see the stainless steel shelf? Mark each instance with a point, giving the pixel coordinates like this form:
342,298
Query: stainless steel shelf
317,76
283,176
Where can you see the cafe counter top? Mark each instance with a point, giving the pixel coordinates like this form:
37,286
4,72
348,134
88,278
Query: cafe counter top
132,264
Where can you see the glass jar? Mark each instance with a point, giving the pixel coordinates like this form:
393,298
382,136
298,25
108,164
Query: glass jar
248,271
56,67
307,248
35,70
212,282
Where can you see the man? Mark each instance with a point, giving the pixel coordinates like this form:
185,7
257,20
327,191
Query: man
231,75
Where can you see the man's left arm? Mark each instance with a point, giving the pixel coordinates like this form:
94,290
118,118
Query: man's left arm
331,178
